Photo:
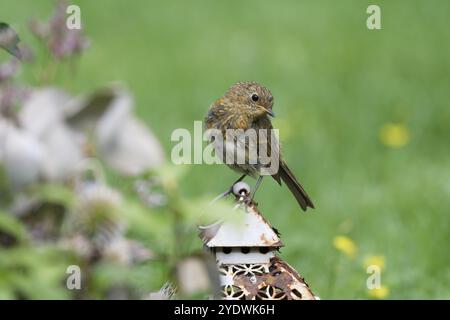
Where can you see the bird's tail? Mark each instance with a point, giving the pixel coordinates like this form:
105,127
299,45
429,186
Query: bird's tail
297,190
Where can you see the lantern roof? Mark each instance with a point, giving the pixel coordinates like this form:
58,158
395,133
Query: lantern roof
244,227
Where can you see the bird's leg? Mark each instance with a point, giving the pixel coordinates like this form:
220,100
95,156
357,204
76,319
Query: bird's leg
258,182
230,190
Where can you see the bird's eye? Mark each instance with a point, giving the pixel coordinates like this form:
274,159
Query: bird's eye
255,97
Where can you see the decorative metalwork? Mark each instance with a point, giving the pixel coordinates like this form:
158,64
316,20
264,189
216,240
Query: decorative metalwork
268,281
245,254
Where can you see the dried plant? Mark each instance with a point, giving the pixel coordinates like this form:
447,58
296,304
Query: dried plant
58,156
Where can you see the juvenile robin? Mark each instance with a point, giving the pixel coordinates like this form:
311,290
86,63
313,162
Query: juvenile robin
248,105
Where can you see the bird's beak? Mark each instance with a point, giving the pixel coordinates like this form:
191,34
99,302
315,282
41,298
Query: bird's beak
271,113
268,111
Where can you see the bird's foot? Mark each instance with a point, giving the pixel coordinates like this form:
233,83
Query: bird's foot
248,201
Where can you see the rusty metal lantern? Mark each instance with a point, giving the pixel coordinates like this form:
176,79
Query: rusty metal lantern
245,248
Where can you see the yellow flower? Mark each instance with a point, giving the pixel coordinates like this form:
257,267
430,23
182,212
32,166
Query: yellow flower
379,261
394,135
345,245
380,293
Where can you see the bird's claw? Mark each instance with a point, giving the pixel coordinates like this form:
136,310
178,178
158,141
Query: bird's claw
248,201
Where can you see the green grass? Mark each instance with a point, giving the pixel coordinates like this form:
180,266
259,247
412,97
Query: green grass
335,84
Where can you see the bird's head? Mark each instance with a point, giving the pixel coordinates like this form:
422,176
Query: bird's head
251,97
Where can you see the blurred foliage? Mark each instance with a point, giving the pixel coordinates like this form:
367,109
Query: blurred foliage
363,116
58,208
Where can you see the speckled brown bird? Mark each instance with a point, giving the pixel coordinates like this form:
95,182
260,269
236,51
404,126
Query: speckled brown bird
249,105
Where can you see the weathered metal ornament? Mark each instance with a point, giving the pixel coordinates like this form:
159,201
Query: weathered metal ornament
244,246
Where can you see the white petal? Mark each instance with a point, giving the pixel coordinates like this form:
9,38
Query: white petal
131,149
23,156
42,110
63,155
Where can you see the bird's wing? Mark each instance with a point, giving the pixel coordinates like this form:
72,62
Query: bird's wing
233,149
212,115
268,147
283,171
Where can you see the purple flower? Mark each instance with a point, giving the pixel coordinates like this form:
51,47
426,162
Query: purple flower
61,41
8,69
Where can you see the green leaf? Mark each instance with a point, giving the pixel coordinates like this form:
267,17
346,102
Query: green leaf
56,194
12,226
202,211
145,222
34,272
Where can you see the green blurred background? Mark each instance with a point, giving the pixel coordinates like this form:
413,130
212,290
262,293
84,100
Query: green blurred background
336,86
